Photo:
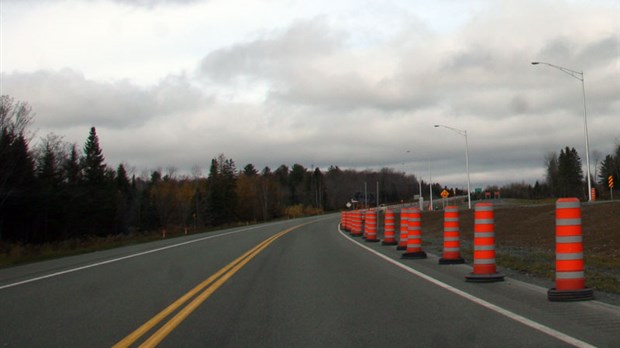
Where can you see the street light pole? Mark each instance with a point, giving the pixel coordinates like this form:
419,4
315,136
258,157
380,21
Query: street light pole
430,187
579,76
464,133
421,200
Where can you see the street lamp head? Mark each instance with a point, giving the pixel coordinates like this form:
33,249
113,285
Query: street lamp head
535,63
436,125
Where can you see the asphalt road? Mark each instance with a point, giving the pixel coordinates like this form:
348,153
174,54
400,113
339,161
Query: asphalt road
312,286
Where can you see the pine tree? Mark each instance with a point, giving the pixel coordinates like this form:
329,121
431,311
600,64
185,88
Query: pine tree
100,201
49,162
552,174
122,180
610,166
249,170
71,167
93,162
17,175
570,173
221,191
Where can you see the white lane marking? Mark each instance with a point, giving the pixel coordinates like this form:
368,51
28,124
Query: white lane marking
71,270
523,320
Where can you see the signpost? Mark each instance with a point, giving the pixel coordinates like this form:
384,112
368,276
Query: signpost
444,195
610,179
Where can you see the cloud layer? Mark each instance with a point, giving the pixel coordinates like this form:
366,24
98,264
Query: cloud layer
354,85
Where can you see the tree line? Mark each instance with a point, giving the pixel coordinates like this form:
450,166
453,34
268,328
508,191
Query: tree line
57,191
564,177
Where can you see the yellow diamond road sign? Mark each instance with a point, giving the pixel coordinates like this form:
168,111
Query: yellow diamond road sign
445,194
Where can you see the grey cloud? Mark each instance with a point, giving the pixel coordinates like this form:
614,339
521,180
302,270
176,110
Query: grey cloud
67,99
273,55
475,57
291,62
602,51
578,55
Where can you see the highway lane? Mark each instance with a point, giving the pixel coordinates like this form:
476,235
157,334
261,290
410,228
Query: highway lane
310,287
98,306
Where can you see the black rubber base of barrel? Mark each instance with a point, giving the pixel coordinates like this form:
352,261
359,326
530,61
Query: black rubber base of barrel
389,243
484,278
570,295
400,247
457,261
372,240
414,255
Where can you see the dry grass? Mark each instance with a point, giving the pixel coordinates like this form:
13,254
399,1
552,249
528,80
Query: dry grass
525,239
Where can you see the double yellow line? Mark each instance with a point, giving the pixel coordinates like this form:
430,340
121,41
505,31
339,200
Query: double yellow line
211,284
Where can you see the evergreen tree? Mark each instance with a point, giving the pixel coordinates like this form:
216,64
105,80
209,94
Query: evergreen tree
122,180
610,166
99,201
570,173
124,199
221,191
249,170
51,216
552,174
17,174
295,179
93,161
71,167
49,162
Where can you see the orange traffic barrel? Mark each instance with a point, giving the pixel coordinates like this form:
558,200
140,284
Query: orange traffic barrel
364,223
350,221
451,242
347,221
388,231
484,246
414,237
343,220
404,221
370,227
356,223
569,266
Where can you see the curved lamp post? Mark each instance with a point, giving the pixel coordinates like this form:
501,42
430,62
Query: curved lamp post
579,76
464,133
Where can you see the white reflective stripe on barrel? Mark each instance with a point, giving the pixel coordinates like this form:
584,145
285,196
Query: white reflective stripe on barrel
569,239
484,261
568,256
569,275
484,234
567,222
564,205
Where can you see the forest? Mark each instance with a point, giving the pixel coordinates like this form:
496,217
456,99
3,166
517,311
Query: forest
57,191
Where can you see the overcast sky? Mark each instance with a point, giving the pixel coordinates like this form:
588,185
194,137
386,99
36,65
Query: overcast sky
355,83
